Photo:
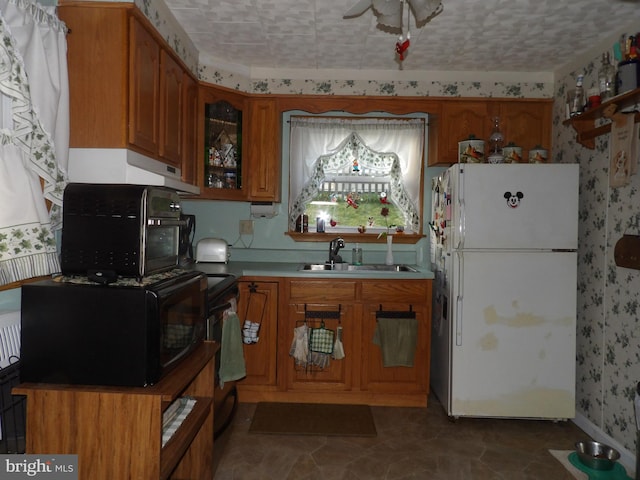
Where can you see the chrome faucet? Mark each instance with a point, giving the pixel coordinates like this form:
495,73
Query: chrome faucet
335,245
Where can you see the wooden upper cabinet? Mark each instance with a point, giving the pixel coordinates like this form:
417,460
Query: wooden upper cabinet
263,150
127,88
144,89
190,137
458,120
171,109
221,164
232,123
98,65
526,123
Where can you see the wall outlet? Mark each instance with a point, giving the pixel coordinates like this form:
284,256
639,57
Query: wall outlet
246,227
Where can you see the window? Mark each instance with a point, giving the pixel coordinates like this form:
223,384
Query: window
345,171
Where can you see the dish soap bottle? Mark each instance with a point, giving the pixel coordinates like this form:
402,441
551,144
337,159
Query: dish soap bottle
356,255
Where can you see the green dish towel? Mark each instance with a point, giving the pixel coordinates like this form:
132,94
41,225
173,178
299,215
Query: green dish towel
232,366
397,338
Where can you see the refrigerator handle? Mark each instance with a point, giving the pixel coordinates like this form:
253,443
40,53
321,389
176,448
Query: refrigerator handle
461,212
459,298
459,321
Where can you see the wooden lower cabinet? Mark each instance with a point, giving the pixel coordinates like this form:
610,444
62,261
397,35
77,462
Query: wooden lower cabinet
360,376
398,296
259,303
338,375
117,431
378,379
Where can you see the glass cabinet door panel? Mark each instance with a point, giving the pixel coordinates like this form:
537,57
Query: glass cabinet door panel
223,146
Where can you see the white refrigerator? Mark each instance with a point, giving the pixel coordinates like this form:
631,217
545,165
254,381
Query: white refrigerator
504,241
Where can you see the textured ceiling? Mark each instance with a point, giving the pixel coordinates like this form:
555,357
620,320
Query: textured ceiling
478,35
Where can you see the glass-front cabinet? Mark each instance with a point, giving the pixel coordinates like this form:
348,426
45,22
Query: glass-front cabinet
221,162
238,146
223,145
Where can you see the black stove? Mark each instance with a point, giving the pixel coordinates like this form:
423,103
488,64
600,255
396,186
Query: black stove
222,295
217,284
219,280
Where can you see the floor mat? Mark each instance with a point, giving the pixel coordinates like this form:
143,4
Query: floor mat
313,419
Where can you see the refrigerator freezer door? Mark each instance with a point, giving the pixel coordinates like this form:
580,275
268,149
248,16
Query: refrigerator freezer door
514,335
515,206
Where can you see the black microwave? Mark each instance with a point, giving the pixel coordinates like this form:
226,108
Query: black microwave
120,230
77,332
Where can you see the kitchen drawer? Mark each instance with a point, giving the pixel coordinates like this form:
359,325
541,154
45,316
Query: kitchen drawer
398,291
322,291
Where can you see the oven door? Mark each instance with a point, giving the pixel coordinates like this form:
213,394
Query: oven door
161,244
223,295
182,317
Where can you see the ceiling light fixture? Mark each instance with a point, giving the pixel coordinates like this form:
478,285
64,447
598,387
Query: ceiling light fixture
389,17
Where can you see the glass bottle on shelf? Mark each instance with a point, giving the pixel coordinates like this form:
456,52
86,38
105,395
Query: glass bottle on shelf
496,141
606,78
223,154
577,98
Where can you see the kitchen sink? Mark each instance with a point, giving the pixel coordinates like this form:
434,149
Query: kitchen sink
346,267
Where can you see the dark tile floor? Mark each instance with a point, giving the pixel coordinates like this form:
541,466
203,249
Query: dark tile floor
412,443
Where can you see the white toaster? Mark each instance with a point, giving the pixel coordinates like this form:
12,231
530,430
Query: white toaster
212,250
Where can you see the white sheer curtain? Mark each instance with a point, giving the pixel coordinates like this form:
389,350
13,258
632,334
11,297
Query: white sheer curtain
313,138
34,137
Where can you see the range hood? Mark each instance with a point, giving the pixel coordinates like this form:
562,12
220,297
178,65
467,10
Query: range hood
120,165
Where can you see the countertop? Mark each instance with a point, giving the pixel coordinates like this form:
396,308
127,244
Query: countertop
281,269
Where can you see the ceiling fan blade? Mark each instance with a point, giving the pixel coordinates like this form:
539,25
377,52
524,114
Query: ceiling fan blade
425,10
358,9
388,12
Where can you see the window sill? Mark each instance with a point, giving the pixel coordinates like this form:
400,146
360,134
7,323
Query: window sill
398,238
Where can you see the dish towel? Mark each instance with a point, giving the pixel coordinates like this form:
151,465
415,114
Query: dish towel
397,338
232,366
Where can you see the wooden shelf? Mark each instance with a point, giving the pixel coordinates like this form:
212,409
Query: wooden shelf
117,431
584,124
398,238
178,444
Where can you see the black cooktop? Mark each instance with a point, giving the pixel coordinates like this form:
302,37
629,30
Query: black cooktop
219,283
219,279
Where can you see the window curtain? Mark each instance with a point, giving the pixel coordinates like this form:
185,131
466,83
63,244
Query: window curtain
34,138
317,142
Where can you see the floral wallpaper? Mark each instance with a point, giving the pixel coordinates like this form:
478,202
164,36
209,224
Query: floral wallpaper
608,337
377,87
163,21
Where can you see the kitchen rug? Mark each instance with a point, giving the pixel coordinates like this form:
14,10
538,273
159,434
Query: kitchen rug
570,460
313,419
